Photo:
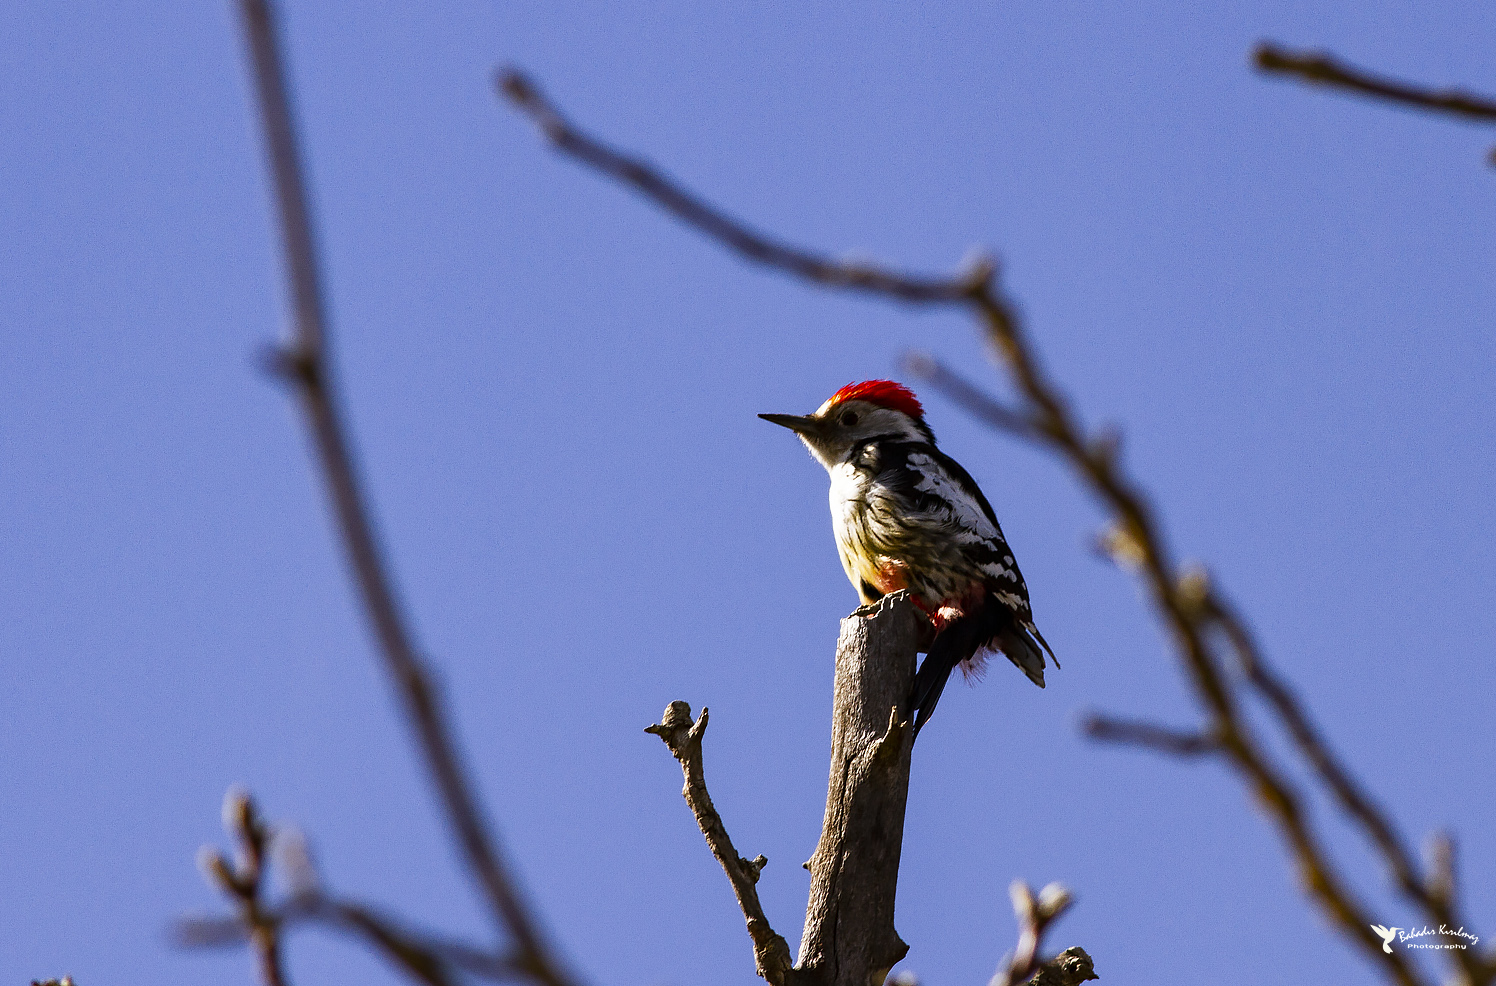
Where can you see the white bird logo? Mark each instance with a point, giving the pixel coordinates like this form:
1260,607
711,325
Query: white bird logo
1387,935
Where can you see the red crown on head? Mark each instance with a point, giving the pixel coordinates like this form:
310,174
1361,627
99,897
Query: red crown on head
884,393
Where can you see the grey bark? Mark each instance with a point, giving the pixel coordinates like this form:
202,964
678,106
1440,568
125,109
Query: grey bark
849,935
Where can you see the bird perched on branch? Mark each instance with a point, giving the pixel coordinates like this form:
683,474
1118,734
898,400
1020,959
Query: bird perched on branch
907,516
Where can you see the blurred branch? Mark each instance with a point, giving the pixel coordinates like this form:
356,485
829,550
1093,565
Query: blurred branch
425,957
1182,600
1436,893
304,362
771,952
975,403
673,198
1322,69
1179,598
1160,739
1070,968
1317,68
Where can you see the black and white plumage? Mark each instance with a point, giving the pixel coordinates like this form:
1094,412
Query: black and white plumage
906,515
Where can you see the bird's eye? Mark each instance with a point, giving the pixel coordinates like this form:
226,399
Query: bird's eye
849,418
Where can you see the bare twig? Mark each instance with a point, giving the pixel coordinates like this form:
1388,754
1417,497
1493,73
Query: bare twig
305,362
1046,418
1322,69
1070,968
242,880
1160,739
1178,599
770,951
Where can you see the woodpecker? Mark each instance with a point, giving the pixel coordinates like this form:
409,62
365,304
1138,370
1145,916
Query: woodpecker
907,516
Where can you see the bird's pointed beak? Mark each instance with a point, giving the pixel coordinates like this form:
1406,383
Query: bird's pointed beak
800,424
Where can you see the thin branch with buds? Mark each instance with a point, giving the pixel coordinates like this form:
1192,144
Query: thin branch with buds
1183,600
1070,968
424,957
1194,607
304,362
1179,600
242,879
427,958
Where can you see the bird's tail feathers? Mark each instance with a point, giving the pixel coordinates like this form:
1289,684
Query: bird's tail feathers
956,644
1020,648
1033,631
966,643
929,682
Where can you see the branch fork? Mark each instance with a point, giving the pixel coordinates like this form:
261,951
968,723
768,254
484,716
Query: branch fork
849,937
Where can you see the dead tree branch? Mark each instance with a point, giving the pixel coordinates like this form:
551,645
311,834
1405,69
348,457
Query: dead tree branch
771,952
1178,597
304,361
849,937
849,934
1070,968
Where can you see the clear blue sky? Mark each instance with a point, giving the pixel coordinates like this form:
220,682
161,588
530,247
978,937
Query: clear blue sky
1283,298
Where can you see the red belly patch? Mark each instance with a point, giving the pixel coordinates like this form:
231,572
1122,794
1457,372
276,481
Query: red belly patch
952,608
892,576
